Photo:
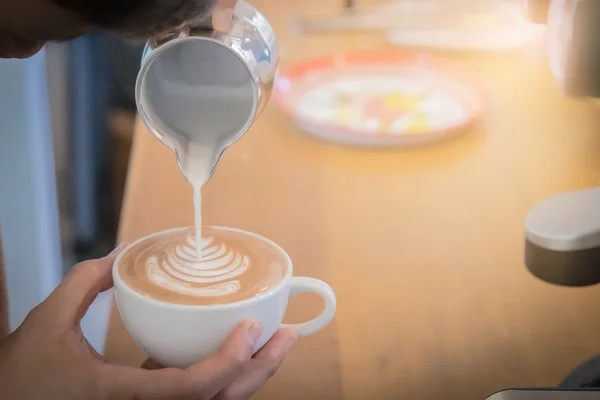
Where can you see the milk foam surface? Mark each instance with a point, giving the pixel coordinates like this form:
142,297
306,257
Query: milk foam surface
230,266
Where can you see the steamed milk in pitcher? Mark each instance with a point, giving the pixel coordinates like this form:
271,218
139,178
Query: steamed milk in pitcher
199,91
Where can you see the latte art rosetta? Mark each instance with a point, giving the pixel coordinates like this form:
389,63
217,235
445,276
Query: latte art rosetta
230,266
208,272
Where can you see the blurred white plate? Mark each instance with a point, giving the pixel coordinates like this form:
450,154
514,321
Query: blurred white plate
378,98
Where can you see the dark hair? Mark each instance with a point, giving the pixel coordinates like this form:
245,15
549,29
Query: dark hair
138,17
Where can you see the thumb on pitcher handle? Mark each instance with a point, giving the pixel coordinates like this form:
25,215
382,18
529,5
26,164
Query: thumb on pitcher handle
302,285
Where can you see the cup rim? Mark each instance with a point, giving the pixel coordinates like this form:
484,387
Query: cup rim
152,55
120,285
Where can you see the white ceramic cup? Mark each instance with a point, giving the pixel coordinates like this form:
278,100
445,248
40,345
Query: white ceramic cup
179,335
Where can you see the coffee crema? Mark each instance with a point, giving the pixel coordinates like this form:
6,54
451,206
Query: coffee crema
229,266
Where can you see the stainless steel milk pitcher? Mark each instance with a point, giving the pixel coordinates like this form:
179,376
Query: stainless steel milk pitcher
200,87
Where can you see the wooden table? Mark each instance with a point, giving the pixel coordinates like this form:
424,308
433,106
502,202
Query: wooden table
424,247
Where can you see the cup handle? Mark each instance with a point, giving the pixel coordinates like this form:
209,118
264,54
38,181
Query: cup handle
301,285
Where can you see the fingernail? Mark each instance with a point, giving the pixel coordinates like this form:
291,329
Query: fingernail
221,19
117,250
254,332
